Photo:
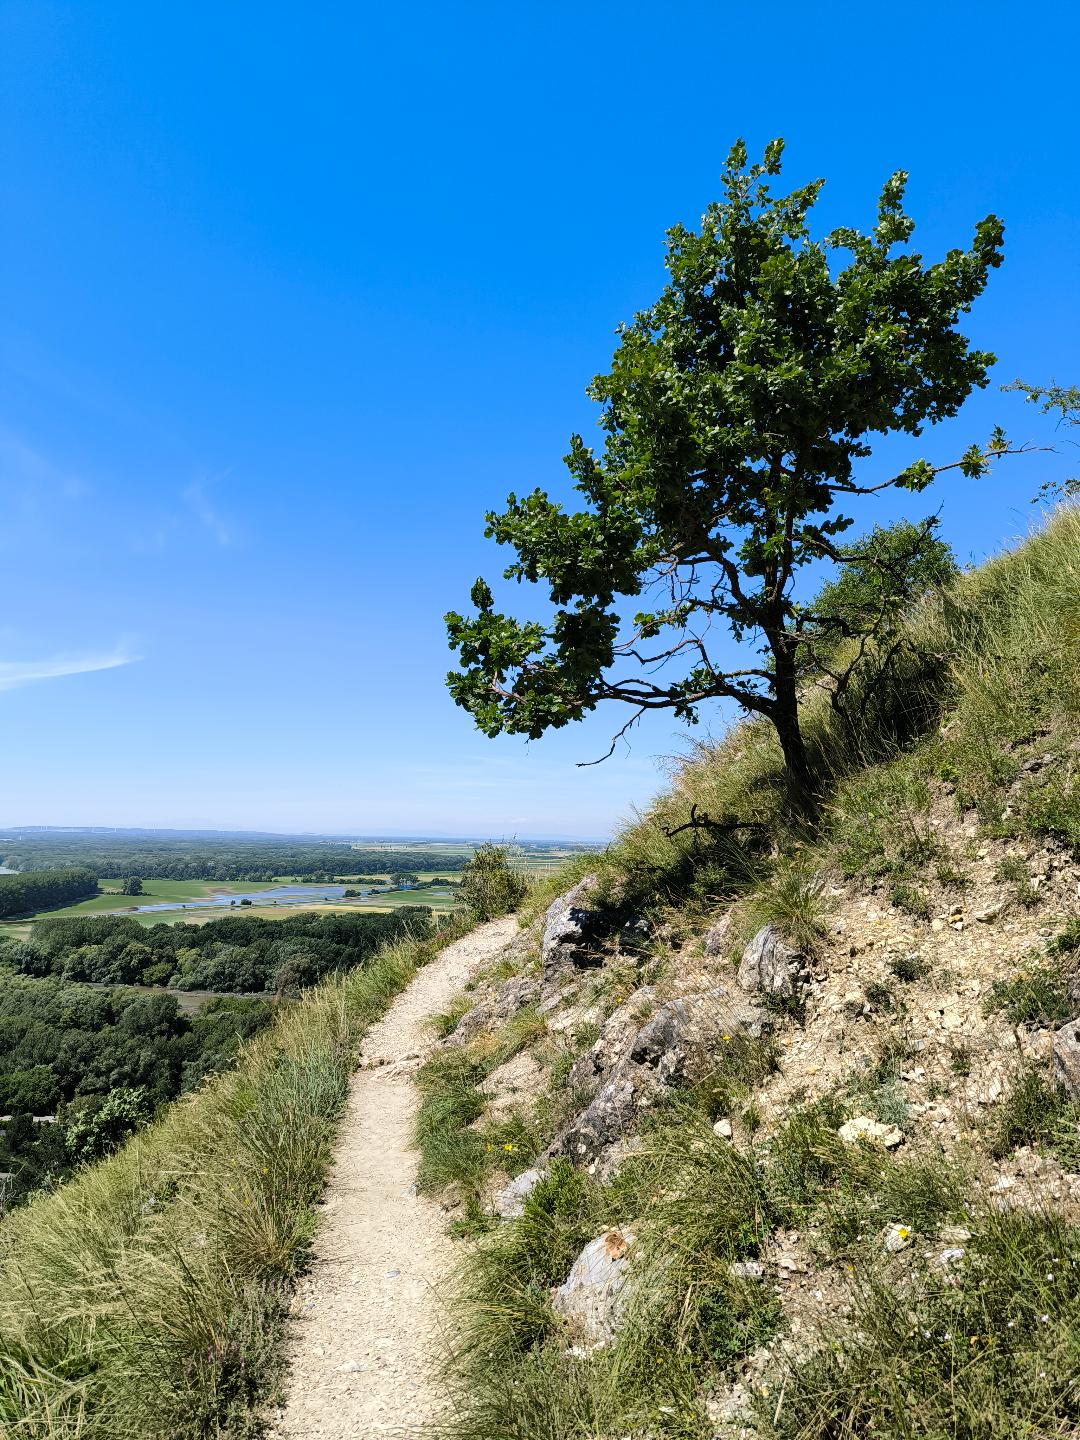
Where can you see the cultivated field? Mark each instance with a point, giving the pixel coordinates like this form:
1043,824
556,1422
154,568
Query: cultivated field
536,861
165,891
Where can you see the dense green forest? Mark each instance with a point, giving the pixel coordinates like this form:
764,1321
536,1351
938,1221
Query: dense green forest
104,1060
101,1062
34,889
236,953
200,858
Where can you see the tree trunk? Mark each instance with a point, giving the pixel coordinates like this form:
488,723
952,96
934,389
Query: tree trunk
802,791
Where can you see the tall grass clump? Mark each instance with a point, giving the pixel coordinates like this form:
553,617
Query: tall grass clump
144,1299
455,1149
698,1207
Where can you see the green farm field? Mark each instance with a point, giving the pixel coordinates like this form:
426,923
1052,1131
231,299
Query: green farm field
536,861
382,905
161,890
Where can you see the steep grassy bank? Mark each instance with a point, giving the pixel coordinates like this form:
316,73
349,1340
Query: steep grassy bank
787,1282
145,1298
985,680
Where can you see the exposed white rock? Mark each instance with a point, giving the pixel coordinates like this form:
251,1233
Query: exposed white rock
769,964
509,1203
593,1296
747,1270
954,1234
897,1237
571,929
715,942
1067,1058
870,1132
951,1255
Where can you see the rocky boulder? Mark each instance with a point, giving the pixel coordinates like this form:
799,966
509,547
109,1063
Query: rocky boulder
770,966
613,1043
509,1202
593,1296
606,1119
1067,1058
715,942
571,935
865,1131
692,1026
513,995
629,1068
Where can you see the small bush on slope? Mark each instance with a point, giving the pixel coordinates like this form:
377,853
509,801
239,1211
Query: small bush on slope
489,888
144,1299
1036,997
1037,1112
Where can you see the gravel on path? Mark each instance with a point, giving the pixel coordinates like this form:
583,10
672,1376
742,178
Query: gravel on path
369,1315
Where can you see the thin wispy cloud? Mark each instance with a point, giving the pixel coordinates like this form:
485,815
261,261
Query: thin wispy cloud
212,521
16,673
31,482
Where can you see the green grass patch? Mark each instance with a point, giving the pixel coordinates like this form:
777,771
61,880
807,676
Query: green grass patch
155,892
456,1151
1037,996
1037,1112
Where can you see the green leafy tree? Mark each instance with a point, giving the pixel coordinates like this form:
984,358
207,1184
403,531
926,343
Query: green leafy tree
489,887
736,415
883,575
95,1131
132,886
1064,401
30,1092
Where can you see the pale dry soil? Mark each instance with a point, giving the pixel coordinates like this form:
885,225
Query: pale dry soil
370,1317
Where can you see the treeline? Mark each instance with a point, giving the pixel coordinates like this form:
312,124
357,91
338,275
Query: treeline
36,889
227,859
99,1063
238,953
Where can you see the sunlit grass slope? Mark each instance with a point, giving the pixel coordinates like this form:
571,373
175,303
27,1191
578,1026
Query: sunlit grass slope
144,1298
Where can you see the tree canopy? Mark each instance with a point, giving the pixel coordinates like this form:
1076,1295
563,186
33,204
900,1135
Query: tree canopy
36,889
236,953
736,416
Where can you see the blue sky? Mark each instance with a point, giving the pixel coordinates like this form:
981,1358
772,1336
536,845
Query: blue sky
292,294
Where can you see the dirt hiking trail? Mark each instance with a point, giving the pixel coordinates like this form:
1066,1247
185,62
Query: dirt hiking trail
369,1315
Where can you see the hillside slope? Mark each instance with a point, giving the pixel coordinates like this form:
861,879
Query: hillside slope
775,1133
147,1297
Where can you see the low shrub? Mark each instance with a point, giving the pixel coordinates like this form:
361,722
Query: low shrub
792,899
1037,1112
909,968
489,886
